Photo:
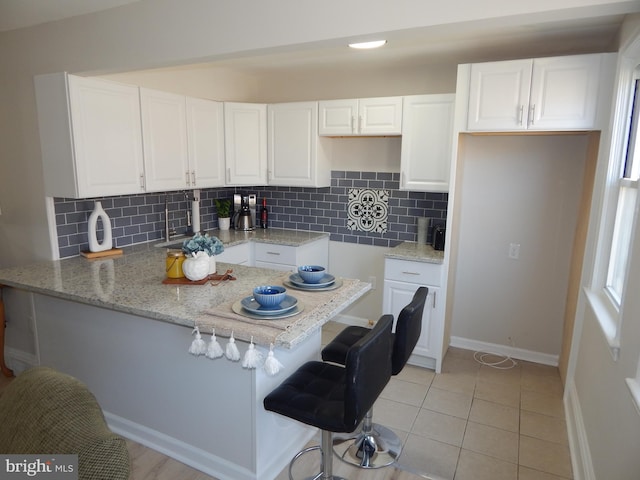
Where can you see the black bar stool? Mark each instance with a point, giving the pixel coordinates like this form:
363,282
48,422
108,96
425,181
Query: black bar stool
335,398
375,445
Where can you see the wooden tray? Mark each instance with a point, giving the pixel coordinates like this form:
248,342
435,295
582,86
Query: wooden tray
106,253
185,281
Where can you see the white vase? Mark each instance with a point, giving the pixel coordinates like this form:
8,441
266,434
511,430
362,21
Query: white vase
212,265
107,241
224,223
196,268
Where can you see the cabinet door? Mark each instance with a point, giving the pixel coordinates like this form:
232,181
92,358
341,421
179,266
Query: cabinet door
398,295
107,138
380,116
205,134
245,134
427,135
164,134
338,117
297,157
499,95
564,92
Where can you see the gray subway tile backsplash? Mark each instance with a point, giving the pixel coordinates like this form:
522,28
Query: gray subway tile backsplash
140,218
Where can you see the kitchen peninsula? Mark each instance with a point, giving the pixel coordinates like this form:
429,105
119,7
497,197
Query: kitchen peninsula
113,324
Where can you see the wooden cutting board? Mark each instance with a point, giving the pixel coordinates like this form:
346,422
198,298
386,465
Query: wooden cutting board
114,252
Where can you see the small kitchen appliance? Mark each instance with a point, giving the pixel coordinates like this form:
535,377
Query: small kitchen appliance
244,219
438,237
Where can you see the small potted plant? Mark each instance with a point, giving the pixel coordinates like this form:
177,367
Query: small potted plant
201,248
223,207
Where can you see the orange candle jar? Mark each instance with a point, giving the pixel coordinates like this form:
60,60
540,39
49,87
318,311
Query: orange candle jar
175,258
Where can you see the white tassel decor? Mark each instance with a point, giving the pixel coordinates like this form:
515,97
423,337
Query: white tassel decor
231,351
252,357
198,346
272,365
214,350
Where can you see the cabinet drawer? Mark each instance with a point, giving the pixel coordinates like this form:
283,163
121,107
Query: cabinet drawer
267,252
413,272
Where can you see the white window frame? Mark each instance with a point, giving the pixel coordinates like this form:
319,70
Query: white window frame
607,308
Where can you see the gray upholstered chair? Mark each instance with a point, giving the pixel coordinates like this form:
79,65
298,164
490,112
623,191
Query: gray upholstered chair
43,411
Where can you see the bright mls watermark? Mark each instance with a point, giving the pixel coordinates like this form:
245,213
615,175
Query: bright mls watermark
51,467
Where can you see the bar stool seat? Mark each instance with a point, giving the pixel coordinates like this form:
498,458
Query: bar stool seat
335,398
374,445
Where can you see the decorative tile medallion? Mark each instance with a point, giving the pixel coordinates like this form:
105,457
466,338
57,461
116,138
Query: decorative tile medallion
368,210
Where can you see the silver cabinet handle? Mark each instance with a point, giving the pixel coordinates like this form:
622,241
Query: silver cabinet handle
353,123
532,113
410,273
193,178
273,253
520,114
229,175
359,123
434,299
142,181
186,178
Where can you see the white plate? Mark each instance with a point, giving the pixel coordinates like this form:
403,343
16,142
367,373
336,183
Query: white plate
309,288
325,281
240,310
252,306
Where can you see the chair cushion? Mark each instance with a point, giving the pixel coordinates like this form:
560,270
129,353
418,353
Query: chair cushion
336,350
314,395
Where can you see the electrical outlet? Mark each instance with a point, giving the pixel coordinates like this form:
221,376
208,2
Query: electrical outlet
372,281
514,251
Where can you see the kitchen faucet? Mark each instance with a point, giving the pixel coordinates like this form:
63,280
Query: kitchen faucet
168,231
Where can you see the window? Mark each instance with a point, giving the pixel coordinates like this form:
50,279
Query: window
627,186
616,229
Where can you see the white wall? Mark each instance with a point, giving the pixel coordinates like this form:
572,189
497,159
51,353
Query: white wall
603,420
162,33
523,190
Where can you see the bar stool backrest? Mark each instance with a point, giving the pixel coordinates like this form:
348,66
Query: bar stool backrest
368,370
408,329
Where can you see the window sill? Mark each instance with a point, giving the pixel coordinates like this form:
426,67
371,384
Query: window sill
607,318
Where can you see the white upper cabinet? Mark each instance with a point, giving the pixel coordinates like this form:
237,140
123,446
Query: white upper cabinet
365,116
427,130
556,93
183,141
245,134
297,156
205,136
164,134
90,136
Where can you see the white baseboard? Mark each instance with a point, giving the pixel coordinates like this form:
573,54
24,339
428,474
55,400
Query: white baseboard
519,353
581,461
199,459
18,360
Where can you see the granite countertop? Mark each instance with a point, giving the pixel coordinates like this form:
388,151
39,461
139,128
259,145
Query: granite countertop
132,283
416,252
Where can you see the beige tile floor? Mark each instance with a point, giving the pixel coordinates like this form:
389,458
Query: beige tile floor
469,422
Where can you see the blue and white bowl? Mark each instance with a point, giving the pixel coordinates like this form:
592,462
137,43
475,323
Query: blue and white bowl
311,273
269,296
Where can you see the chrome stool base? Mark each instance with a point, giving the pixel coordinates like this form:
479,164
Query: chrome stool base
374,446
327,460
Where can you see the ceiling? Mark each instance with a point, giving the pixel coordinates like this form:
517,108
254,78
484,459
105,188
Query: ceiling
447,44
27,13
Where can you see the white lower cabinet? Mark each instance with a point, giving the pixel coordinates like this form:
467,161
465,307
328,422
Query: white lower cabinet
236,254
288,258
401,280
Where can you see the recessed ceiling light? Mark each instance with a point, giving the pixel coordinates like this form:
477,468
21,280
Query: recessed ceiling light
364,45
